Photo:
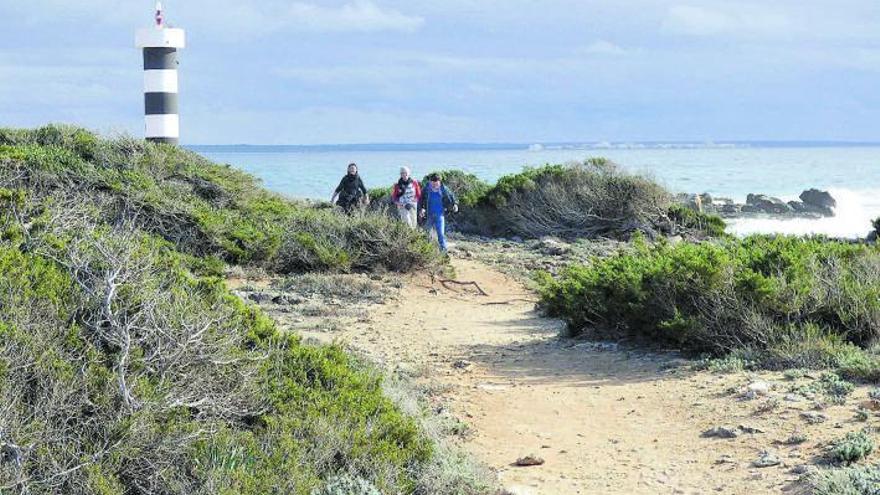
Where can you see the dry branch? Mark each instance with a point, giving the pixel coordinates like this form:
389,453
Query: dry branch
445,281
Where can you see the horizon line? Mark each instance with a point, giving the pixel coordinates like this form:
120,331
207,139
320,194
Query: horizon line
598,145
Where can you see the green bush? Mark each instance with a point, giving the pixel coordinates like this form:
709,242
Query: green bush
593,199
316,240
127,366
790,302
379,195
203,208
855,446
469,189
688,219
855,480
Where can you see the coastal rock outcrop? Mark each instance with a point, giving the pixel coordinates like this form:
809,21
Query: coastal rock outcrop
813,203
761,203
821,199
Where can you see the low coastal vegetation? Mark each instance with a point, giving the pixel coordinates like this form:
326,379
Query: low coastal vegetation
127,366
774,302
593,199
203,208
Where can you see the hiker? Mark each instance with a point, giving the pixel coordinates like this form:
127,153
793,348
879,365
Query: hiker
351,190
406,195
437,201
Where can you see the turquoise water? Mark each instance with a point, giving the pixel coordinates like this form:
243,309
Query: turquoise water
852,173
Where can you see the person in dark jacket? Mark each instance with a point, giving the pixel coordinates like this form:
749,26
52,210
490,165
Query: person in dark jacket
350,191
436,202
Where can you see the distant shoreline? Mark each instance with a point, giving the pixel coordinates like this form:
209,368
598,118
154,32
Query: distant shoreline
574,146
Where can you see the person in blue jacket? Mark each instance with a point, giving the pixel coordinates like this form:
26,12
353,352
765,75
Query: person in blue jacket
436,202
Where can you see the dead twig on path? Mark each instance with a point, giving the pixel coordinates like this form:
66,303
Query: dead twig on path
444,282
511,301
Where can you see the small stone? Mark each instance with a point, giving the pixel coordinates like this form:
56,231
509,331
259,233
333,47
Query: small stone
767,459
813,417
529,460
792,398
759,388
750,429
461,364
720,432
803,469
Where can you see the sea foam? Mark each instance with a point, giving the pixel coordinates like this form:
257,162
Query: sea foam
853,215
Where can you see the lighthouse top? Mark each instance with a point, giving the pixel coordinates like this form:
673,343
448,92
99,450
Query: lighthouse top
160,36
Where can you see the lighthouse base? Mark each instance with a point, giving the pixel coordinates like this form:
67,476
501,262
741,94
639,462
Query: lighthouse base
164,140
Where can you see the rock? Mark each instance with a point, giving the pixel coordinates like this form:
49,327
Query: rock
731,209
811,210
461,364
768,204
529,460
792,398
676,239
802,469
759,388
813,417
554,247
870,405
750,429
821,199
796,439
260,297
720,432
767,459
287,299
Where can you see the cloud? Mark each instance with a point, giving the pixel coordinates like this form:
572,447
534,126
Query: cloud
602,47
232,17
359,15
743,19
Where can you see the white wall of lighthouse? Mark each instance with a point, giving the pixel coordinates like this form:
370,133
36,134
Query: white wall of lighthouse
160,45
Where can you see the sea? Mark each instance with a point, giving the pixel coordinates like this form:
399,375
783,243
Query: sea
849,171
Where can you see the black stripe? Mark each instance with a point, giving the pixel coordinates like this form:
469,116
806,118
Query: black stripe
160,58
160,103
165,140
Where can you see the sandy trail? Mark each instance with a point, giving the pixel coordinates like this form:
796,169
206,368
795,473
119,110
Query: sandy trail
605,421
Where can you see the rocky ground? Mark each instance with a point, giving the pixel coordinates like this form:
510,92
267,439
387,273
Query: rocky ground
557,416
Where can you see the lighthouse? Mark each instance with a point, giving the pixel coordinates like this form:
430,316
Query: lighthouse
160,44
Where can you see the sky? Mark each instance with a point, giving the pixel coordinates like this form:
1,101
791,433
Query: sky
407,71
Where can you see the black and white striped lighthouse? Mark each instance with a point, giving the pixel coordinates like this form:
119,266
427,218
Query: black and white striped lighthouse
160,45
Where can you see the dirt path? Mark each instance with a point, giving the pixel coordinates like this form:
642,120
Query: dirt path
605,420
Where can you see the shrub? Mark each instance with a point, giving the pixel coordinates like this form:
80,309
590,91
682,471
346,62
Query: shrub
469,189
379,195
791,302
592,199
348,485
689,220
855,480
326,241
851,448
203,208
128,367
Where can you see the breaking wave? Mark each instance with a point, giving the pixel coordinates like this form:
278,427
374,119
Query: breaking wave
853,215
